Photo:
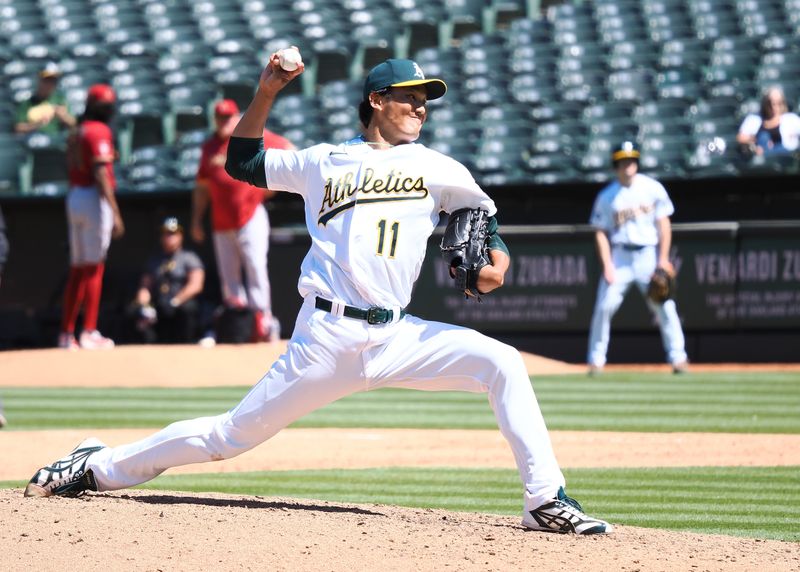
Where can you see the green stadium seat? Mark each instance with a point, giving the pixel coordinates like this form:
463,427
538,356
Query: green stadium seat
608,110
421,30
505,12
628,55
48,158
678,83
462,18
12,156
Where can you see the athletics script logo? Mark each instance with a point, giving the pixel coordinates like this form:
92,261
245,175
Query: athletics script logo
345,193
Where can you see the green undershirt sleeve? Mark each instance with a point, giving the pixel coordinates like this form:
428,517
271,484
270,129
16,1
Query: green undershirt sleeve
245,161
494,242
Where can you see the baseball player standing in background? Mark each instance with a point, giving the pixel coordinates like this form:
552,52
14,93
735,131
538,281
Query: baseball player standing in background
370,205
240,223
93,218
633,235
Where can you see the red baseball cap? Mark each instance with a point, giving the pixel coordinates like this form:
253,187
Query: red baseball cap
226,107
101,93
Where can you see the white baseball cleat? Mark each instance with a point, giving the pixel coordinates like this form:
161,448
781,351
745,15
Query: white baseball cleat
67,342
94,340
67,477
564,514
680,367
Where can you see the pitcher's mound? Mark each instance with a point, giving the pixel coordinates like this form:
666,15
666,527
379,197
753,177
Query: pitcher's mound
151,530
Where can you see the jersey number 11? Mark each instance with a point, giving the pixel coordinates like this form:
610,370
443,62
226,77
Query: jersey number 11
382,237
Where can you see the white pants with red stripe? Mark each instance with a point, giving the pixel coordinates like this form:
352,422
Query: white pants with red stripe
330,357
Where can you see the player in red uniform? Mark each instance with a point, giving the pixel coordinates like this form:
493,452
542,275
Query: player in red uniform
93,218
239,221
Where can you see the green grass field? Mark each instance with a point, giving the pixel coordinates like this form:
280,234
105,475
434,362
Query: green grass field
719,402
762,502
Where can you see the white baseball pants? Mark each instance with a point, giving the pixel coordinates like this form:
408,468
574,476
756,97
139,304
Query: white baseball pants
246,248
90,221
632,266
331,357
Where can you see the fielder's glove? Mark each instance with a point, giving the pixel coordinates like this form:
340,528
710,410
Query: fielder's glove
662,286
465,249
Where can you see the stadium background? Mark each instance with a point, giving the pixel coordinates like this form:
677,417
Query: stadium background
538,91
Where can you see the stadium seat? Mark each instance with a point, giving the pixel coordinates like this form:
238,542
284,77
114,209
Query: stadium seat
631,85
421,27
189,105
595,159
499,155
505,12
608,110
48,158
552,110
678,84
603,68
460,150
665,152
628,55
12,156
463,17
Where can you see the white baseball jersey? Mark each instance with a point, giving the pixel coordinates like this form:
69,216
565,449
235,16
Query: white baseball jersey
629,214
362,208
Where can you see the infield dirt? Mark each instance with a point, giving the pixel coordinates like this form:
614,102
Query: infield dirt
146,530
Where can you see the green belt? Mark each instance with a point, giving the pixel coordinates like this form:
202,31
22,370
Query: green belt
372,315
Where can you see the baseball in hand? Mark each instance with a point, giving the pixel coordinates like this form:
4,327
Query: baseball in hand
289,59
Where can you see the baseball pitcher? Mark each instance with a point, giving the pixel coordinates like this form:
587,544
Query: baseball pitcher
370,206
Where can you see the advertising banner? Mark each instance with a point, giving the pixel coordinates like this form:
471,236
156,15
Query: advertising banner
728,278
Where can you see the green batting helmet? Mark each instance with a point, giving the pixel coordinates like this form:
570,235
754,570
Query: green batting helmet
625,150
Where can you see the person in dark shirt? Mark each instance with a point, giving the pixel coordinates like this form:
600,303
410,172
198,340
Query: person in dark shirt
167,306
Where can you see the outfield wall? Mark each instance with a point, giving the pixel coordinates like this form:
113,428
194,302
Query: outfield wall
738,295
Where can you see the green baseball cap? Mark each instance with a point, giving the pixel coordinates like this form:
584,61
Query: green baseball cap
401,73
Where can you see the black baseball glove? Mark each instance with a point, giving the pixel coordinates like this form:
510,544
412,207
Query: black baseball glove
662,286
464,248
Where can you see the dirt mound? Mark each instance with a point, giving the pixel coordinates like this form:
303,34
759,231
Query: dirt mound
169,366
366,448
138,530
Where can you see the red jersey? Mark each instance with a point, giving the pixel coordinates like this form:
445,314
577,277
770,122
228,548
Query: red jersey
92,143
232,202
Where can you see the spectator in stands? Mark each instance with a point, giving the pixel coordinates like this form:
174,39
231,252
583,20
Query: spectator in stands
3,258
166,303
93,218
239,221
46,110
774,131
